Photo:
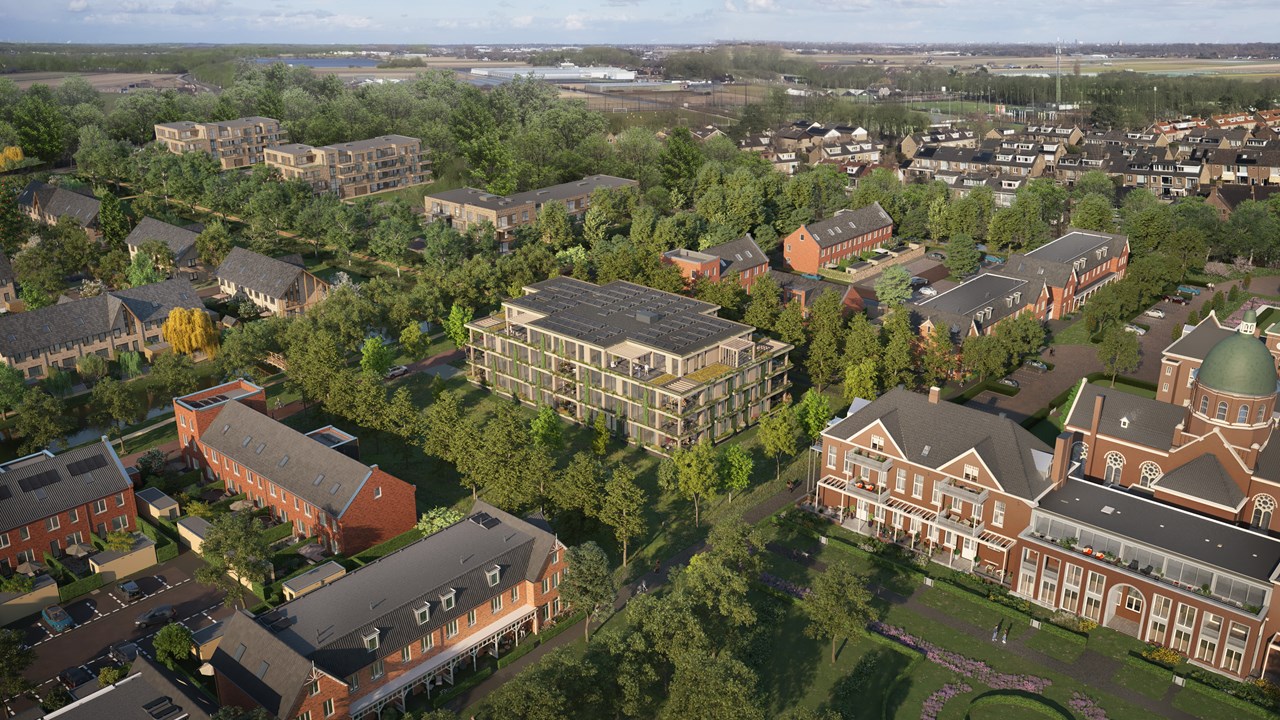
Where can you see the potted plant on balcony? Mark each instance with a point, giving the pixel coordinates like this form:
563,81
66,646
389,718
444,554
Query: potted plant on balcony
1068,542
1087,550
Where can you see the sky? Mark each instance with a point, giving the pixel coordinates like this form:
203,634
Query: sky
581,22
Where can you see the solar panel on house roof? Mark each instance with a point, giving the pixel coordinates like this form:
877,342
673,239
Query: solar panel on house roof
39,480
89,464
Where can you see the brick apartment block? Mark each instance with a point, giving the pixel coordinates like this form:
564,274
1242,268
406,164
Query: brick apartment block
234,143
48,501
314,481
846,234
352,169
464,207
397,627
741,259
663,369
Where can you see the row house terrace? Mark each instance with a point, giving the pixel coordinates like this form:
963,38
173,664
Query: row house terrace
401,626
314,481
1165,178
663,368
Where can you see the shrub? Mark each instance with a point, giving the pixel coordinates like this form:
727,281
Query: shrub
119,540
110,675
172,644
1163,655
17,584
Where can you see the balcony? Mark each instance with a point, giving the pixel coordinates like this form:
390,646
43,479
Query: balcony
960,524
969,495
868,490
873,460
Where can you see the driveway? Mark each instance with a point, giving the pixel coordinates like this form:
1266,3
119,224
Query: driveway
1072,362
105,618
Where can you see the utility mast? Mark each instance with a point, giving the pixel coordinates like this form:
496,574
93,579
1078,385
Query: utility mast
1058,52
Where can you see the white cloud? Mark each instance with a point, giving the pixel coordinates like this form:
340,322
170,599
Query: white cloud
521,21
575,22
77,6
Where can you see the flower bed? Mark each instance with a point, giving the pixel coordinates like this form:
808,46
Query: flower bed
1086,707
935,702
789,588
961,665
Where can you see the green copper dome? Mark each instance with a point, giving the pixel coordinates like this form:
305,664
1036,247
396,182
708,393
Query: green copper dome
1241,365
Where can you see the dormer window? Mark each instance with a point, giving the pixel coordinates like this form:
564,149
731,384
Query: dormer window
423,614
492,575
371,641
449,600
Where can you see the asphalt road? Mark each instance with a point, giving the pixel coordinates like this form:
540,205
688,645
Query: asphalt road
105,618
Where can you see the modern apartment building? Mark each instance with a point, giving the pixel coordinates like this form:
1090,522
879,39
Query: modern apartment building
234,143
48,502
663,368
400,626
108,324
464,207
313,480
1156,519
352,169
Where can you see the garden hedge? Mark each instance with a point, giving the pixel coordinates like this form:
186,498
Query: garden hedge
80,587
476,678
1004,698
166,545
277,533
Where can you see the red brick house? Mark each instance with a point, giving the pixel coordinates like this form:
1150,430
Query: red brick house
1158,520
846,234
400,626
48,501
1073,267
313,480
741,258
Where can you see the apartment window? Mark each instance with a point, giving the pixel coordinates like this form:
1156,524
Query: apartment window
1071,588
448,601
1159,626
371,641
354,683
997,514
377,492
422,614
52,523
313,689
328,707
917,486
970,473
1183,628
877,443
99,507
546,585
73,515
495,605
471,618
272,488
1132,600
305,716
406,654
1222,411
831,456
936,499
492,575
451,629
1168,369
24,533
515,594
376,670
4,540
119,499
848,462
900,481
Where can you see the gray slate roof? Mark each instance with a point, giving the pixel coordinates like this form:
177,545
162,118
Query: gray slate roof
1006,447
130,698
1055,274
738,256
605,315
1078,244
1203,338
79,319
808,289
849,224
301,465
40,485
1151,422
1203,478
57,201
556,193
1154,523
327,626
155,497
178,240
248,269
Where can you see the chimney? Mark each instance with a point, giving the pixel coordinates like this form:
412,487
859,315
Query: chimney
1093,434
935,394
1061,458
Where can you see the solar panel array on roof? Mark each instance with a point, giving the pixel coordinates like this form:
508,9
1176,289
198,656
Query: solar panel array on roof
39,480
89,464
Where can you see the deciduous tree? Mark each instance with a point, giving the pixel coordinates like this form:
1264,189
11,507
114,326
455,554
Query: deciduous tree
588,582
376,357
437,519
172,644
735,467
623,508
234,543
813,413
894,286
839,606
778,432
190,330
1119,351
696,474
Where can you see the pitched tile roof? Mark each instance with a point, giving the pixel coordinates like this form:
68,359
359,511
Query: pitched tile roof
270,276
299,464
146,693
40,485
58,201
738,255
75,320
1197,343
327,626
1203,478
1147,421
1018,459
178,240
849,224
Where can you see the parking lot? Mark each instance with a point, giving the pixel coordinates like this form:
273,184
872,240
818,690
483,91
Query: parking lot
105,618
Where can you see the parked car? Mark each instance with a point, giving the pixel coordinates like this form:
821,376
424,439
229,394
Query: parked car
936,256
74,677
1189,289
155,616
124,653
1135,329
57,618
1036,364
1176,299
1008,382
928,291
397,371
130,590
918,282
1154,312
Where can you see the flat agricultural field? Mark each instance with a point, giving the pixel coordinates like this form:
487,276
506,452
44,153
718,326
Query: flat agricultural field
1089,64
102,82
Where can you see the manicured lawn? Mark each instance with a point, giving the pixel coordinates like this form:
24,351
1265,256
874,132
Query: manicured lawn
1192,700
1076,333
1140,679
1056,647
